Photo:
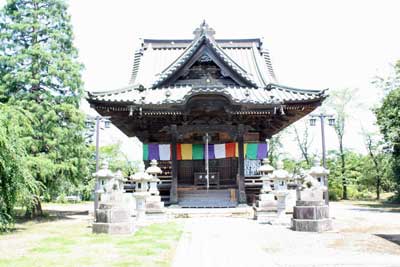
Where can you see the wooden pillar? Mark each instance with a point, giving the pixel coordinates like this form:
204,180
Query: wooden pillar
173,197
240,176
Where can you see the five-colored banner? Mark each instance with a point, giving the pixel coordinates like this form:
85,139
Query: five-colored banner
196,151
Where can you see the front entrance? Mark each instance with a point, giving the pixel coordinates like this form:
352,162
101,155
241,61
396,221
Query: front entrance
192,184
223,173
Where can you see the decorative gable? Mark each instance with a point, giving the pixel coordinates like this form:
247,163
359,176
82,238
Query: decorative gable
203,64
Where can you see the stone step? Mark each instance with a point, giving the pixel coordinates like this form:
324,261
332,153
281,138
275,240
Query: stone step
206,199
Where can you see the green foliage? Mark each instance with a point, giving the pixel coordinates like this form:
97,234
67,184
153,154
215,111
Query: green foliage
40,75
57,149
388,119
36,50
360,173
16,181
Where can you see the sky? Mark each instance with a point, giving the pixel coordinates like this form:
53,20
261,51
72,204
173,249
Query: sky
313,44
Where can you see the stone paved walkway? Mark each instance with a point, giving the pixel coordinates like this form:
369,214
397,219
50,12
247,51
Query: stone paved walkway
242,242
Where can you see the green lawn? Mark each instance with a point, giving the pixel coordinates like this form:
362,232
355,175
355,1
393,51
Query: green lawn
69,242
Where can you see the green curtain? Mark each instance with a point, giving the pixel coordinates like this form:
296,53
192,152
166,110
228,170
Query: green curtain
145,152
251,151
198,151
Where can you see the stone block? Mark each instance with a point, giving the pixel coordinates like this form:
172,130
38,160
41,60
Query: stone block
263,216
112,215
311,194
312,225
310,203
113,228
311,212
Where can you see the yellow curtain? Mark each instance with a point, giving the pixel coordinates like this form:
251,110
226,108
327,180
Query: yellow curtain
186,151
237,150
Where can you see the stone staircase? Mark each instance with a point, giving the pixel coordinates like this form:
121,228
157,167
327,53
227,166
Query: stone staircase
213,198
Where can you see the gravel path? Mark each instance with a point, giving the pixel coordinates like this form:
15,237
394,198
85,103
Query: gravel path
355,241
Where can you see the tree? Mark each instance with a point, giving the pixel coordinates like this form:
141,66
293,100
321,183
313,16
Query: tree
39,71
388,119
36,50
274,148
303,139
16,181
340,101
373,144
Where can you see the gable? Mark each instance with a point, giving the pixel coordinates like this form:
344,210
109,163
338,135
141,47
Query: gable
202,58
205,69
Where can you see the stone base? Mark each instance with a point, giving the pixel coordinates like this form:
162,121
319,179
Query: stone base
153,215
311,212
124,228
154,202
263,215
311,216
312,225
109,214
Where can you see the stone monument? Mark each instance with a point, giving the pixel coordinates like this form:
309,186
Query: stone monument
112,215
154,205
265,209
311,214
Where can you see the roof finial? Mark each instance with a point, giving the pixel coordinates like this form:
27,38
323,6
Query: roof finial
204,29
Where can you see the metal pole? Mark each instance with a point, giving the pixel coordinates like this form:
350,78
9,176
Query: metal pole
207,166
96,185
97,142
326,193
322,117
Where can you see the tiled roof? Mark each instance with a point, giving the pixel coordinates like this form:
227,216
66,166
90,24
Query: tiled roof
157,60
180,94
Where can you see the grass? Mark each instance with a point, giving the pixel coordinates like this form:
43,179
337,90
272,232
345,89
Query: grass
69,242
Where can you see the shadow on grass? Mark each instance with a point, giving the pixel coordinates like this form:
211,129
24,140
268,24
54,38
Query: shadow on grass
392,238
48,216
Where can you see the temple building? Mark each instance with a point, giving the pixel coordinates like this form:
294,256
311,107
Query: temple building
205,109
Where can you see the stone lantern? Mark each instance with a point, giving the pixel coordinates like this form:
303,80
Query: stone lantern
265,209
119,180
311,213
154,205
103,177
112,216
141,180
153,170
280,178
321,174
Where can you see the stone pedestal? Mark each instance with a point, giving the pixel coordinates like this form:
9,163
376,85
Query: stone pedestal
140,198
311,216
113,218
281,218
155,208
265,211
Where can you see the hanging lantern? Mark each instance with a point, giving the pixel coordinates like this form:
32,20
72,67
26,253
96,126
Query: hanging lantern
107,124
313,121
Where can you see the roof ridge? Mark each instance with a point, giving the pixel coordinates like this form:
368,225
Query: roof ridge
115,91
284,87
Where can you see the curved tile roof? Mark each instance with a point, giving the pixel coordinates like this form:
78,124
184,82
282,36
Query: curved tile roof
157,60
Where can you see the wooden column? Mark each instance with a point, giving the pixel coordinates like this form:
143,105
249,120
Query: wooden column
173,198
240,176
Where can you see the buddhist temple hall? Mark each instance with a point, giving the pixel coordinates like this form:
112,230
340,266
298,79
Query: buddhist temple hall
205,108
